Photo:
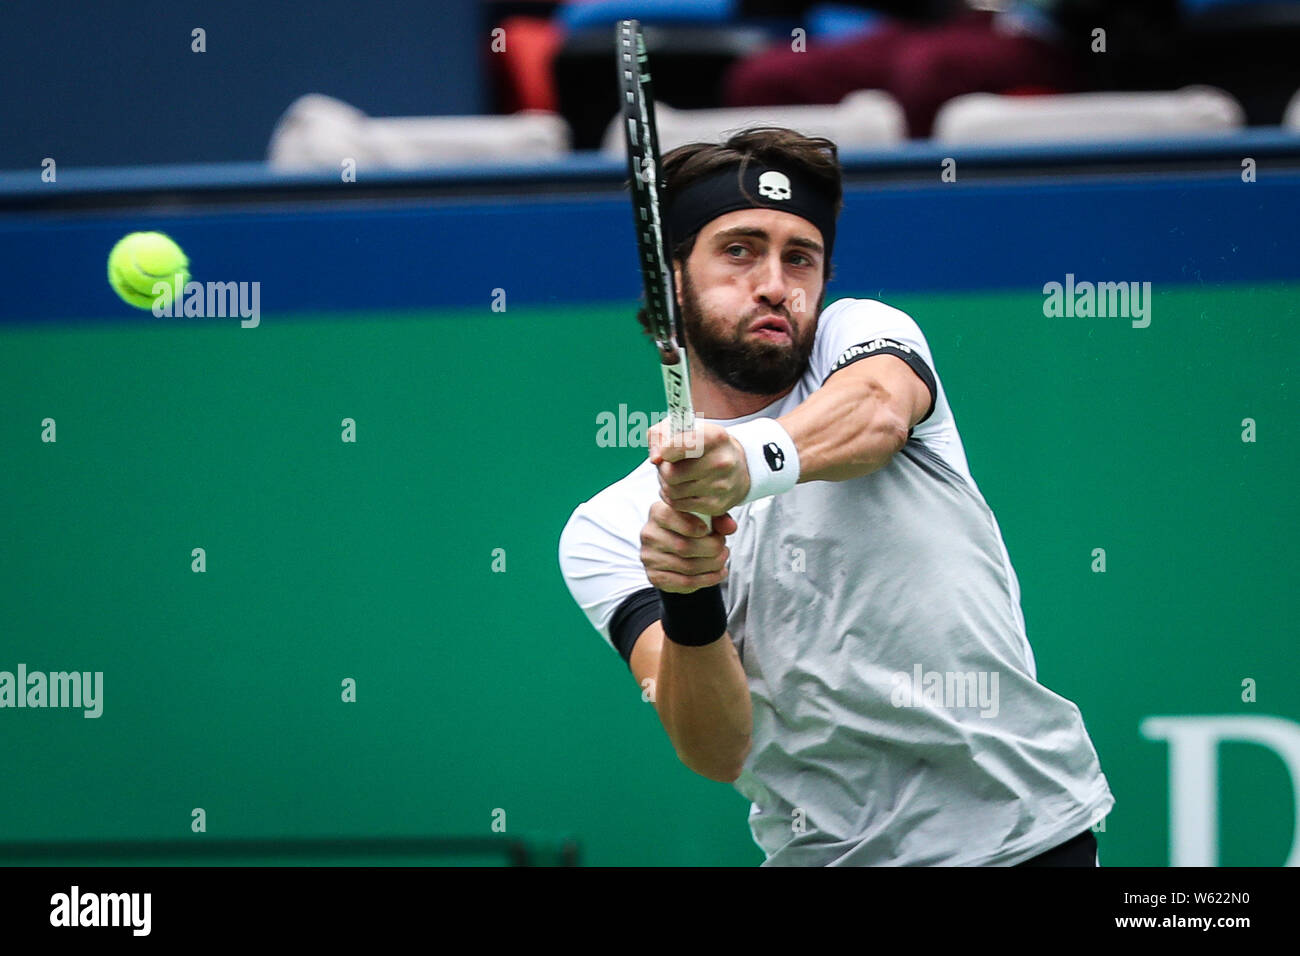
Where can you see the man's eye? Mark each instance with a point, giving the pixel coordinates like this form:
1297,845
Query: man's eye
736,249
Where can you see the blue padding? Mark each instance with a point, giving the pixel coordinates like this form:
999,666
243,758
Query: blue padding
577,16
1210,228
216,177
1201,6
831,22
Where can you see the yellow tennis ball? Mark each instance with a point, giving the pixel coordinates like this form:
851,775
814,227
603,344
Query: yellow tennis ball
141,260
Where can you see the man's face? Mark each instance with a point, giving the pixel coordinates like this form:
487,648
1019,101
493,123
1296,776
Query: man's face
751,272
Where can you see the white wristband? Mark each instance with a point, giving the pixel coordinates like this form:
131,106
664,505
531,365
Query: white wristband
770,453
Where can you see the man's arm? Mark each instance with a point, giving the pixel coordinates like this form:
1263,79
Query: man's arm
702,698
851,426
857,420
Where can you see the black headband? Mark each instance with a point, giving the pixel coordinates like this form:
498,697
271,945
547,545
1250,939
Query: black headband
762,186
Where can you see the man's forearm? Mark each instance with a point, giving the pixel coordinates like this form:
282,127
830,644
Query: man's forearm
844,430
702,697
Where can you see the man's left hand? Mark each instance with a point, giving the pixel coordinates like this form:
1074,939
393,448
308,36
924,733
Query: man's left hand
703,471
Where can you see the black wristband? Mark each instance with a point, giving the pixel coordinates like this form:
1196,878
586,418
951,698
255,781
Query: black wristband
694,619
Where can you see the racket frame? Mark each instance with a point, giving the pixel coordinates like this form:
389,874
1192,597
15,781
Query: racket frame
641,135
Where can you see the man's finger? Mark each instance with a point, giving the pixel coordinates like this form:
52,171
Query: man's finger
670,550
671,449
678,485
681,472
674,519
655,442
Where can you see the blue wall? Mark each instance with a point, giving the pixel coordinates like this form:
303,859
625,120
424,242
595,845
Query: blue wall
91,83
1180,229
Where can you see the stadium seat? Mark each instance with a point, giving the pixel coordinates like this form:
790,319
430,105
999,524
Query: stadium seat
1291,118
987,117
320,131
862,119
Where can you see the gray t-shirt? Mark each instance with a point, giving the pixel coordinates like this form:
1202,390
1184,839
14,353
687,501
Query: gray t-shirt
897,715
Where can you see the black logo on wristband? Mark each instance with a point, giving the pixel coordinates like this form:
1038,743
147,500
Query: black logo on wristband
774,455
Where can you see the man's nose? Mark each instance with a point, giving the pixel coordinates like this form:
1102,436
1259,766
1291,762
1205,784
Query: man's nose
770,282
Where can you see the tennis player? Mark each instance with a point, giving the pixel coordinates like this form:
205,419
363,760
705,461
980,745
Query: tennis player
845,644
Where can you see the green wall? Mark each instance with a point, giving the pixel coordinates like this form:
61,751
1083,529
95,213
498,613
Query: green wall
479,689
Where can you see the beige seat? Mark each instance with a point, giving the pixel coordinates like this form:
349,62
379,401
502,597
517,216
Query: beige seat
1291,118
862,119
319,131
988,118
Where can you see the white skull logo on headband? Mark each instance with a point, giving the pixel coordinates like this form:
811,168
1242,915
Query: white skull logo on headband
774,185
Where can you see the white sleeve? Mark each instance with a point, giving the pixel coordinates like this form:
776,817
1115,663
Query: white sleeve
853,329
602,566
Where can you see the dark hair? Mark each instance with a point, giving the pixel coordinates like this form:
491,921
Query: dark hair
817,156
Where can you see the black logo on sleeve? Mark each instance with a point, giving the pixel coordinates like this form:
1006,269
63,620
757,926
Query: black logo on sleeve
883,346
774,455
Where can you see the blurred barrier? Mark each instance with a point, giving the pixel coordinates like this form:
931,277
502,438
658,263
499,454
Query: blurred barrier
560,232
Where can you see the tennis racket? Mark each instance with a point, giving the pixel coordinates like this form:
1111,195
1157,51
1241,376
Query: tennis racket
637,98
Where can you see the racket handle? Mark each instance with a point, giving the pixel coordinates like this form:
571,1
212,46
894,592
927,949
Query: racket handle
677,387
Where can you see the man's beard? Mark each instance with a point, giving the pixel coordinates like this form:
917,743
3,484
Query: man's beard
745,362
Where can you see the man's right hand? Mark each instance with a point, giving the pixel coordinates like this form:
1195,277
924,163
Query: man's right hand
680,554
